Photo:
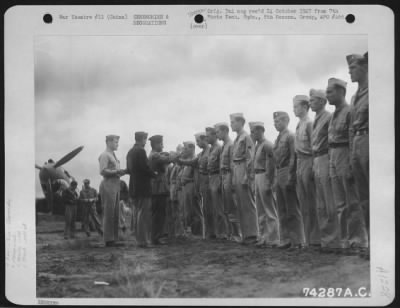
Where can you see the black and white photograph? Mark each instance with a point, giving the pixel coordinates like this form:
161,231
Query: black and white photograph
202,166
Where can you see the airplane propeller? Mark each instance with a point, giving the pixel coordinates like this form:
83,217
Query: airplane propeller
68,157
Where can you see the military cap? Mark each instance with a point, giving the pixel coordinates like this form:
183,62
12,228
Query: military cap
86,181
188,143
278,114
356,58
201,134
111,137
234,116
73,182
251,125
301,98
140,135
337,82
211,130
258,124
317,93
221,124
156,138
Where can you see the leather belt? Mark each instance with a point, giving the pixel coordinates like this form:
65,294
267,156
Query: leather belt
361,132
338,145
203,173
238,161
257,171
303,155
320,153
225,170
213,172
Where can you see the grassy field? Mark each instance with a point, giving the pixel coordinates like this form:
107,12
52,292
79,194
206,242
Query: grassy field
191,268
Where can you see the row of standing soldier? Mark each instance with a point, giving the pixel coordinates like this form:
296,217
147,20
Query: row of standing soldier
307,189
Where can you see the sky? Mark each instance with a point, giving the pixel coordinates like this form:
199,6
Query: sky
87,87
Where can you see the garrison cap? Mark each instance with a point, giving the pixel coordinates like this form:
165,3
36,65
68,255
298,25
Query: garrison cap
86,181
301,98
258,124
111,137
188,143
234,116
317,93
221,124
140,135
200,134
156,138
280,114
211,130
357,58
337,82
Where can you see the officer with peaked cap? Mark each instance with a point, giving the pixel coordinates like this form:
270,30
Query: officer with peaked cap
140,189
359,130
158,162
226,168
242,156
290,220
201,181
304,175
326,210
352,233
219,219
110,189
264,168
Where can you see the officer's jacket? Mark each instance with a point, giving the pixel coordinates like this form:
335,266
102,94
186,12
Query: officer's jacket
158,163
284,152
338,131
264,159
214,156
303,137
319,136
359,117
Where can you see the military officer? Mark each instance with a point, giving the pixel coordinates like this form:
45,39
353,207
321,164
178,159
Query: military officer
359,130
140,188
326,210
289,213
352,232
110,190
242,157
264,168
220,221
158,162
305,186
226,167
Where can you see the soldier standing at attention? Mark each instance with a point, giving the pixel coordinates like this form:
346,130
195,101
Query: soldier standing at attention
326,210
264,168
140,188
220,221
305,186
359,132
243,148
70,199
226,167
290,220
88,198
188,189
253,138
109,190
158,162
353,234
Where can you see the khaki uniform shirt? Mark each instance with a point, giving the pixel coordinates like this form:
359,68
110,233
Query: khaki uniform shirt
319,136
338,131
264,159
303,137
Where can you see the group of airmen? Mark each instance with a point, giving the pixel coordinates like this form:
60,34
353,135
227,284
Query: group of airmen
307,189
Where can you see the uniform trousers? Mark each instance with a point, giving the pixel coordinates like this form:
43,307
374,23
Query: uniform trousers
291,227
352,229
305,188
245,200
268,222
326,209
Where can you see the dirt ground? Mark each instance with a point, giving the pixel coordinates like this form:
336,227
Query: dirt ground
191,268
